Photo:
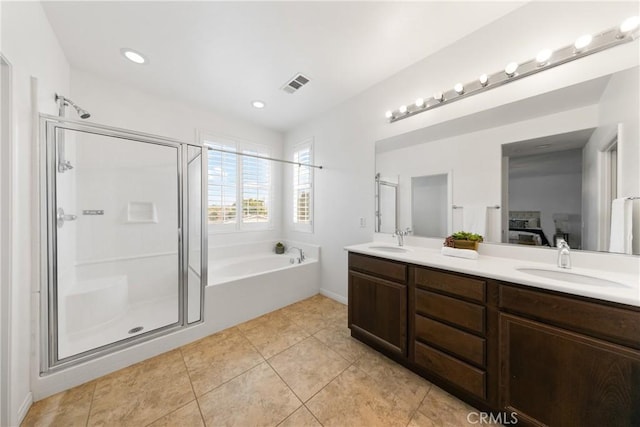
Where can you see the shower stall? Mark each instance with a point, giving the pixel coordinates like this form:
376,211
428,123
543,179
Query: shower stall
124,238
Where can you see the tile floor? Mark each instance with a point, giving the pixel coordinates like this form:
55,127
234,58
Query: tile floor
294,367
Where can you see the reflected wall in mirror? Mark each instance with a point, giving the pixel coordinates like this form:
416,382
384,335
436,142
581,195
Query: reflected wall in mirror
430,201
579,152
386,204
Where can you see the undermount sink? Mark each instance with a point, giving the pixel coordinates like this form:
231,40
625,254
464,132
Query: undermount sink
396,249
568,276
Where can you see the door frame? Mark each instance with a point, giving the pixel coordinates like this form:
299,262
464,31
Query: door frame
6,226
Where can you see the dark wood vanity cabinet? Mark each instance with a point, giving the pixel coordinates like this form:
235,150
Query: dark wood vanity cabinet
554,359
567,361
377,307
453,320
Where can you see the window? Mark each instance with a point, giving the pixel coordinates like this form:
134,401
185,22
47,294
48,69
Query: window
303,187
235,179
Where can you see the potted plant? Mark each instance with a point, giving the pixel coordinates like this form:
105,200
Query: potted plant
463,240
279,248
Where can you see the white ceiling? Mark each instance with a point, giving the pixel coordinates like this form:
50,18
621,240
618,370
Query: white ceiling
223,55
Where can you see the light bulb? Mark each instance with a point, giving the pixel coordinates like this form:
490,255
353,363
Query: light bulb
582,42
133,56
510,69
543,57
388,114
403,109
258,104
438,96
484,80
419,102
459,88
629,24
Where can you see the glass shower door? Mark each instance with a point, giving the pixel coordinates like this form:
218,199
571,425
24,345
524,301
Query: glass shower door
115,238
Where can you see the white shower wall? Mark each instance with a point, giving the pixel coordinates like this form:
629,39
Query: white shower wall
112,244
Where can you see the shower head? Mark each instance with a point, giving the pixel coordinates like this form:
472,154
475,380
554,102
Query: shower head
64,101
84,114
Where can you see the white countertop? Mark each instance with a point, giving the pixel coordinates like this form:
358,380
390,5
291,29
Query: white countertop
506,269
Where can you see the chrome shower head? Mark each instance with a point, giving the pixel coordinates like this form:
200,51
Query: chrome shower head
64,101
84,114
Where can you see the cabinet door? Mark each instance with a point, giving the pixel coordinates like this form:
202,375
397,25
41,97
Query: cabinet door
554,377
378,311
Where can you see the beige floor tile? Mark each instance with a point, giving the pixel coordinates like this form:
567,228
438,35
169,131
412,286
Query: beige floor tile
310,322
444,409
338,338
272,337
68,408
141,393
421,420
308,366
339,317
273,319
256,398
301,418
211,362
396,378
315,313
355,399
187,416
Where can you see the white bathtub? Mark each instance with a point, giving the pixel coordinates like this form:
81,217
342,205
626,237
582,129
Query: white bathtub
223,270
250,280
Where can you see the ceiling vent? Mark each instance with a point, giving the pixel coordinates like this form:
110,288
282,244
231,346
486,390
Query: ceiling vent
295,83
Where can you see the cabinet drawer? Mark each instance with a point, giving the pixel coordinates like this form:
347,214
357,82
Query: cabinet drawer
466,287
462,344
379,267
615,324
451,369
467,315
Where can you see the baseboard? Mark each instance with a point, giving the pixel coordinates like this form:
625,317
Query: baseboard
24,408
333,296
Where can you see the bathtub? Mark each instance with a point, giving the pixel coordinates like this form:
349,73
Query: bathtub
247,281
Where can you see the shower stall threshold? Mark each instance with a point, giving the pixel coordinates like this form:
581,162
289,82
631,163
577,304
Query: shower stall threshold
137,320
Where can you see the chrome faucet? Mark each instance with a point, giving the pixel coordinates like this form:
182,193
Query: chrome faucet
400,235
301,253
564,256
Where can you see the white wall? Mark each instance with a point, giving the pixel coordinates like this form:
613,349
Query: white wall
118,105
474,160
429,205
29,43
618,111
546,193
345,136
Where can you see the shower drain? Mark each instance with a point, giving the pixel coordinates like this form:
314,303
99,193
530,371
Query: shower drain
136,329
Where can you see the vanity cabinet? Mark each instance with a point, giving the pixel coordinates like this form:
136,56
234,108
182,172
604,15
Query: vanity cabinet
450,317
554,359
567,361
377,307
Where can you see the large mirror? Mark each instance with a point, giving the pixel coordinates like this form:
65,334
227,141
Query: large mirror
562,165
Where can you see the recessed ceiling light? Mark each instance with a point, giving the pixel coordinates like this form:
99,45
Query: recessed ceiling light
133,56
258,104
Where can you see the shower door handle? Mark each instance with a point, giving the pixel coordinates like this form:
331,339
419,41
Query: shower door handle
62,217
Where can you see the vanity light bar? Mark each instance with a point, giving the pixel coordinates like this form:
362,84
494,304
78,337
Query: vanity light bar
545,59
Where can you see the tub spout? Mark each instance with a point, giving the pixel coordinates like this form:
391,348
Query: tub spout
301,254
